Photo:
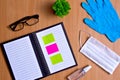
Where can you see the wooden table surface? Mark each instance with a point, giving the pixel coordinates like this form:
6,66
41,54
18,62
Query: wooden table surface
12,10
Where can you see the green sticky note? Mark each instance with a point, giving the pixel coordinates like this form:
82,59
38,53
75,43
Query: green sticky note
48,38
57,58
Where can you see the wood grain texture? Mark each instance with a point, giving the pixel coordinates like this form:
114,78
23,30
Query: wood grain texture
12,10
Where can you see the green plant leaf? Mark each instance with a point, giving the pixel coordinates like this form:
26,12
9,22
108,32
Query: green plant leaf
61,8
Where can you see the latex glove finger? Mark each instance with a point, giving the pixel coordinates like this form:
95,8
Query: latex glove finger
86,7
92,4
110,9
99,3
107,3
92,25
112,35
112,12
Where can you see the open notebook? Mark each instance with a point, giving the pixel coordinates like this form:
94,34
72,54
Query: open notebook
39,54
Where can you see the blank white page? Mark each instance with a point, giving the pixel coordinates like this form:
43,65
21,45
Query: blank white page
22,59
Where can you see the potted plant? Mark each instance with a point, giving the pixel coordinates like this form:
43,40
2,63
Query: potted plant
61,8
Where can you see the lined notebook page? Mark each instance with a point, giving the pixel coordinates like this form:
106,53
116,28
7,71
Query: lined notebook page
22,59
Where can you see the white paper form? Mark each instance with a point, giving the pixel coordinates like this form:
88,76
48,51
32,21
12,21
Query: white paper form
22,59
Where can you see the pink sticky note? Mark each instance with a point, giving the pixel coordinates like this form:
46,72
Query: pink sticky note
52,48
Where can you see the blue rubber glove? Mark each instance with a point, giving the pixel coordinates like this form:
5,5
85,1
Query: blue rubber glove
104,20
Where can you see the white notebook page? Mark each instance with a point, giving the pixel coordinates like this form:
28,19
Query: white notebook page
22,59
63,48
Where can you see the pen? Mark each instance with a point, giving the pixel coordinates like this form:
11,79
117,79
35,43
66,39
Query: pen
79,73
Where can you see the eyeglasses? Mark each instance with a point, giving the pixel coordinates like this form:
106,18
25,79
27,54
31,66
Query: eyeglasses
28,20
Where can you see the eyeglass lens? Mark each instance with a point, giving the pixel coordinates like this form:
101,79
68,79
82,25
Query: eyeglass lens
19,26
32,21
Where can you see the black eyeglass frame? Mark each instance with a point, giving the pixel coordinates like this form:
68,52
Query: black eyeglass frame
23,21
